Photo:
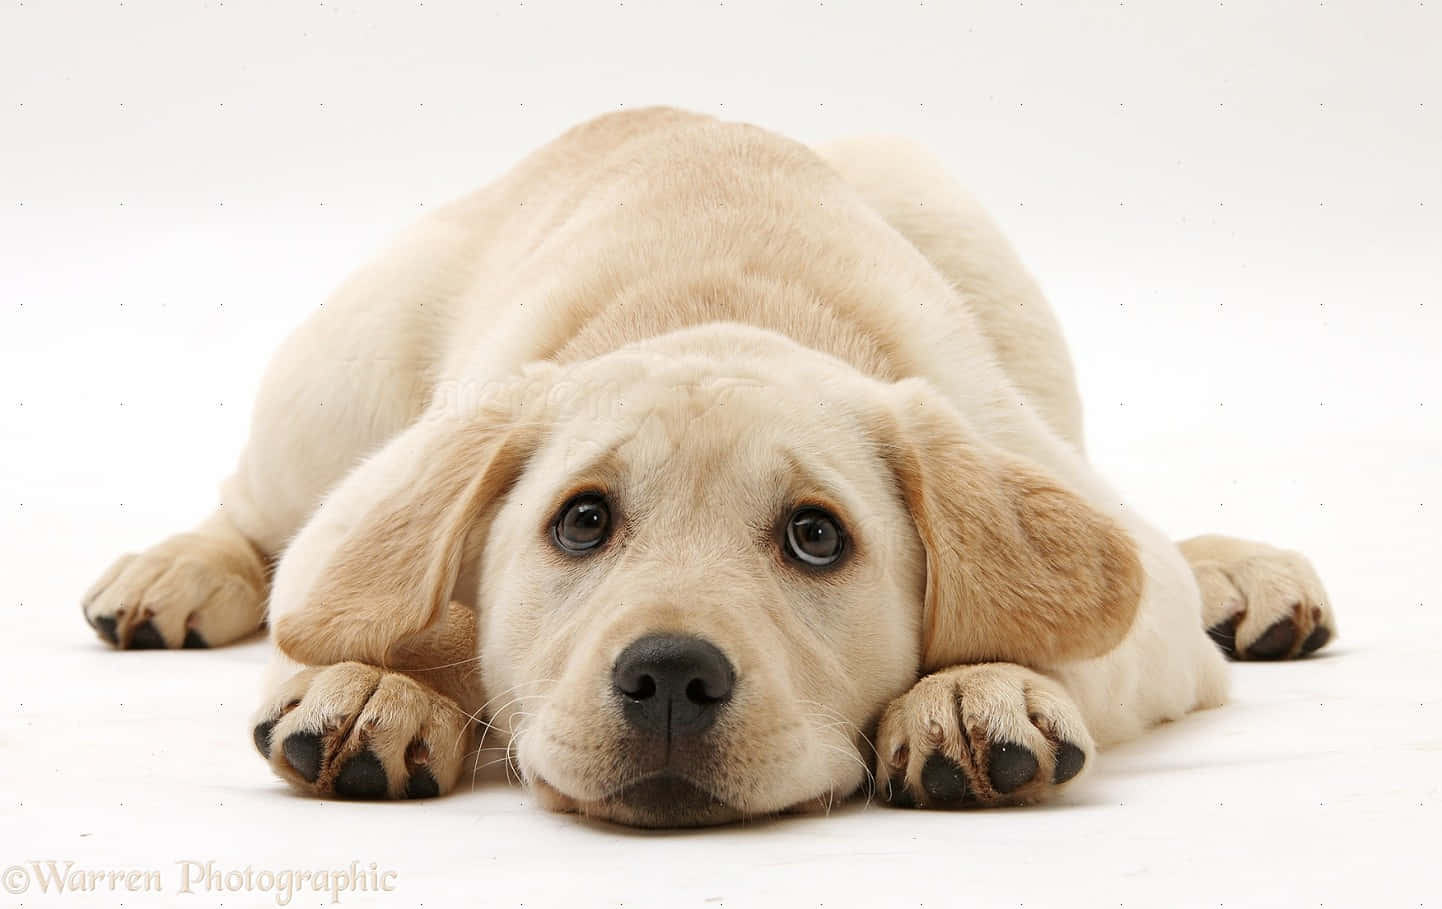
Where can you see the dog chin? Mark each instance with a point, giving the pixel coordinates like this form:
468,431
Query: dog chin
662,799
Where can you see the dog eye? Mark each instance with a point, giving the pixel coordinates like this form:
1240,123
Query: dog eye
583,523
814,537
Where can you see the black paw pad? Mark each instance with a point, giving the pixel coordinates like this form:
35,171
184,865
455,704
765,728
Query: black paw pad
261,735
1069,761
105,625
362,777
422,785
943,779
193,641
302,751
1010,767
898,795
1224,635
1275,643
145,637
1316,640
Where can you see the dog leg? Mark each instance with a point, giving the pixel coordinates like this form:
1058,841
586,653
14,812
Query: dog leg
346,380
1259,602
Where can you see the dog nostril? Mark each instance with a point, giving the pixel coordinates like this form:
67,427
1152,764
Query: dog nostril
645,688
696,693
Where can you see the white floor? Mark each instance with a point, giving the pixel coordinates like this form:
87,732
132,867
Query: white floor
1244,248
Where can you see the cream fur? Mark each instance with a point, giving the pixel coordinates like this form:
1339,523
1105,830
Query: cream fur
712,321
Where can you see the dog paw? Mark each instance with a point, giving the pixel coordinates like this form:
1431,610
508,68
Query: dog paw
1260,602
359,732
193,590
980,736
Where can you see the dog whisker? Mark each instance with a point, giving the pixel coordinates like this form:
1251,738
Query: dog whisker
831,712
468,660
476,716
851,755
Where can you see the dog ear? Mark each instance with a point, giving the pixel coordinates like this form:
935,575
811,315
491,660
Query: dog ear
393,573
1018,568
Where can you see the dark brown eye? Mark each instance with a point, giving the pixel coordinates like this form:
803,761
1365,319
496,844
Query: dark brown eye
814,537
583,523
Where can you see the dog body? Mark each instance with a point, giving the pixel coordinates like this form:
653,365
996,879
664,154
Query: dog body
694,338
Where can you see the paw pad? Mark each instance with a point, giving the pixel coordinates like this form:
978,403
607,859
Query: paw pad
302,751
362,777
422,785
261,736
897,795
1276,642
1069,762
1011,767
145,637
105,626
1317,639
943,779
1224,635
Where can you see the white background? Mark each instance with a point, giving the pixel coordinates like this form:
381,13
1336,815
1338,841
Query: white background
1236,208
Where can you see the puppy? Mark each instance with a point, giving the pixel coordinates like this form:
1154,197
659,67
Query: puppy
699,474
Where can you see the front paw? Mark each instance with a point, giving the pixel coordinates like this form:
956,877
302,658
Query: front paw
356,731
980,736
190,591
1260,602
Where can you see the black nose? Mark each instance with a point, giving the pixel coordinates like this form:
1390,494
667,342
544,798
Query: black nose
672,685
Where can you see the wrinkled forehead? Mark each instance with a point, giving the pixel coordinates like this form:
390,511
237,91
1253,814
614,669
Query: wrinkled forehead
690,432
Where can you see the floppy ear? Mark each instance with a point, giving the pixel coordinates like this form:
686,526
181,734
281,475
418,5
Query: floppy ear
392,574
1018,568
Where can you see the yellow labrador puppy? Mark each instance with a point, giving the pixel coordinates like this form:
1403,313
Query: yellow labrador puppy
699,473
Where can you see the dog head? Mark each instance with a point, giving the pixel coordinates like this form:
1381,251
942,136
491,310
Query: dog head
703,565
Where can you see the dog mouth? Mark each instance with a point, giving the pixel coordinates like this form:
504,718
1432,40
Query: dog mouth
664,798
669,799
